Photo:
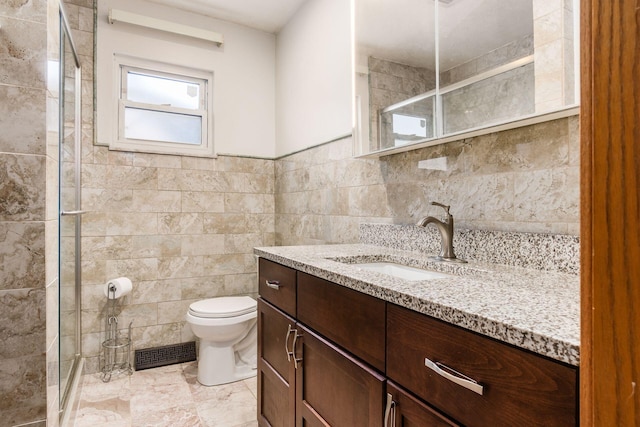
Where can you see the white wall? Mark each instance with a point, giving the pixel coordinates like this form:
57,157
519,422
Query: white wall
244,72
313,76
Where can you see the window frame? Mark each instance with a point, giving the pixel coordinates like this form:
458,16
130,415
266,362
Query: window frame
204,79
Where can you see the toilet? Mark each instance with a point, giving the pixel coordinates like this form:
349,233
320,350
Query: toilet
227,329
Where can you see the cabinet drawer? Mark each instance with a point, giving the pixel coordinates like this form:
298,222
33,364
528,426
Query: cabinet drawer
334,389
277,284
407,411
519,388
353,320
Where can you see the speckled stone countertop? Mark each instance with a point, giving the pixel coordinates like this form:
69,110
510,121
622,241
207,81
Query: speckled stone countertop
531,309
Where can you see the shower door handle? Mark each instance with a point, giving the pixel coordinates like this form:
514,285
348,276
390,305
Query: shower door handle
72,212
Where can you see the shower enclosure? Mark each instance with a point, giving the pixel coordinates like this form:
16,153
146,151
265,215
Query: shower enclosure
69,213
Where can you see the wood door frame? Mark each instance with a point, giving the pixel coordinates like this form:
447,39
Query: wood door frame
610,212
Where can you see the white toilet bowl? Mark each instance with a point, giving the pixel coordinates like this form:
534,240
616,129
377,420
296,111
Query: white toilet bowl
227,329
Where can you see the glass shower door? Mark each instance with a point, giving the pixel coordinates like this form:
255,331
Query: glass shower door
69,212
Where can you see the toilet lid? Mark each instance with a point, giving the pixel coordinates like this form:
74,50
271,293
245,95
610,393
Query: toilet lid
223,307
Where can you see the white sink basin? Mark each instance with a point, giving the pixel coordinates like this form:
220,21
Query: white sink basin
402,271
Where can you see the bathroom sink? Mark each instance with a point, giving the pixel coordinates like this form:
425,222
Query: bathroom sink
401,271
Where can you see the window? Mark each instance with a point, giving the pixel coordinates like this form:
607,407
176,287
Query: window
163,109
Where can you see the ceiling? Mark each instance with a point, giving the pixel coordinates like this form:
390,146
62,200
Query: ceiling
266,15
397,30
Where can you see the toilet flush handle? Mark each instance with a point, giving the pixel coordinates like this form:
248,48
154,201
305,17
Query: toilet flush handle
273,284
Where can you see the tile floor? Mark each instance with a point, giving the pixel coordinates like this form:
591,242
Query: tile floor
167,396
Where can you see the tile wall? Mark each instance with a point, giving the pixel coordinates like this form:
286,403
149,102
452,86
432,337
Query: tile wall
27,223
524,180
181,228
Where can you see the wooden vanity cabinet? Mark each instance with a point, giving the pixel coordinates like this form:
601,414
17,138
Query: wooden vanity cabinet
405,410
351,319
333,388
276,373
307,373
332,356
519,388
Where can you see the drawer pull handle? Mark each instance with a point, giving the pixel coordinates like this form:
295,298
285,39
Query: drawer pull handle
296,360
273,284
286,343
390,412
458,378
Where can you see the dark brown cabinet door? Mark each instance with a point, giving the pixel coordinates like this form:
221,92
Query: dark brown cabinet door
353,320
276,374
405,410
512,387
334,389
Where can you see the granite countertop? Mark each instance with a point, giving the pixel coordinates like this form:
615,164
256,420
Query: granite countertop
531,309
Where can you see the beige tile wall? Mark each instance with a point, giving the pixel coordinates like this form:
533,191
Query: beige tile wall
27,223
180,228
523,180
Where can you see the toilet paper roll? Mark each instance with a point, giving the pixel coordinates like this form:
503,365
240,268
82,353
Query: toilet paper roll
122,286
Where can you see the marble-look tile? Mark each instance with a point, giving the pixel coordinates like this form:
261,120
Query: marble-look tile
557,195
22,187
183,180
33,10
23,56
132,223
198,163
156,201
205,244
155,291
165,396
155,336
131,177
203,287
23,401
240,284
23,322
161,161
136,269
181,223
241,243
173,311
106,247
176,416
235,404
201,201
22,120
179,267
22,255
224,264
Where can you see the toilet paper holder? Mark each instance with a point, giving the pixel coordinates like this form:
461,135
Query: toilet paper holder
117,345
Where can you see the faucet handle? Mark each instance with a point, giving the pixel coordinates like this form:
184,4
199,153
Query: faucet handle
445,207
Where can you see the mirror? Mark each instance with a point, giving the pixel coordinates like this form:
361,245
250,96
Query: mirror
428,71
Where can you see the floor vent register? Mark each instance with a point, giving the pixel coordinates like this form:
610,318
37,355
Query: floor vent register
165,355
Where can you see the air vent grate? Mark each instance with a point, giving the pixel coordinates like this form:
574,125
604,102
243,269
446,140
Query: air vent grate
166,355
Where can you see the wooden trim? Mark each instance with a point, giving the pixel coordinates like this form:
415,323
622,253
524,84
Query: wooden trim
586,385
610,212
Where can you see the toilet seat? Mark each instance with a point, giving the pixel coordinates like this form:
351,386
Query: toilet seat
223,307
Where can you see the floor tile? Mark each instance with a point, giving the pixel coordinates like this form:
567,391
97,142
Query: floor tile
167,396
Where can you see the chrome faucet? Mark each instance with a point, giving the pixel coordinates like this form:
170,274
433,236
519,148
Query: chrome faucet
446,233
